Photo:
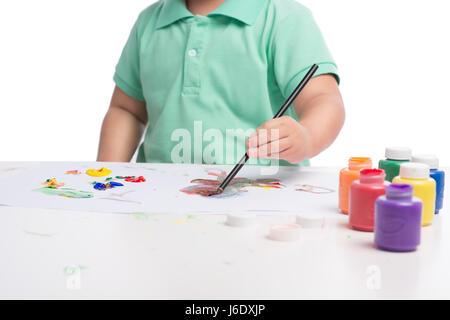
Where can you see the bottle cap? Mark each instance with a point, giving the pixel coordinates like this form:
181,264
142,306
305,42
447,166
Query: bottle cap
399,190
398,153
414,170
310,220
358,163
372,176
429,159
241,220
285,232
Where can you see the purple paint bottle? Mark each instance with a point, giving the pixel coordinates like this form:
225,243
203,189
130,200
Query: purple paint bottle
398,219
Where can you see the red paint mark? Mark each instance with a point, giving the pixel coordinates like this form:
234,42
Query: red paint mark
135,180
205,191
213,174
208,187
313,189
73,172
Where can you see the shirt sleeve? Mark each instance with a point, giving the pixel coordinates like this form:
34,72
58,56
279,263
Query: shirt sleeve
298,44
127,75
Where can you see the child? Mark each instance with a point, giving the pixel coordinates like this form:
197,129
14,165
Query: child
204,74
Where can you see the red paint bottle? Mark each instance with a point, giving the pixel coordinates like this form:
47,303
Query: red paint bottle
363,193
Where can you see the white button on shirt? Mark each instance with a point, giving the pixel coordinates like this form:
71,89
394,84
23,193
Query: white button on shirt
192,52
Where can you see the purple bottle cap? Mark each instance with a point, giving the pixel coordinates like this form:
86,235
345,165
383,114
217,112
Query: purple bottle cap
399,190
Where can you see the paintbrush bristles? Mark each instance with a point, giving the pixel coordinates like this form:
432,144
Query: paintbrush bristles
210,193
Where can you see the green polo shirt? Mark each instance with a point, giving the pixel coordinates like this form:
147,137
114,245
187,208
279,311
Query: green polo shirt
209,81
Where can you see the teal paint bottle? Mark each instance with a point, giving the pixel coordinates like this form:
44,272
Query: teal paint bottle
395,156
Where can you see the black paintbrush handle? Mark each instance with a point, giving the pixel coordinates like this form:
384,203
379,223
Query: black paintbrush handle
233,173
279,114
296,91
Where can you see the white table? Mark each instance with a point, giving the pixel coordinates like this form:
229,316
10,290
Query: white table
100,255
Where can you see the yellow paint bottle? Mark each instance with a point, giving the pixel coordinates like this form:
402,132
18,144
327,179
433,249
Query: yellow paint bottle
418,175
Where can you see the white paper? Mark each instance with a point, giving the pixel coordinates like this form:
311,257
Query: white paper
161,194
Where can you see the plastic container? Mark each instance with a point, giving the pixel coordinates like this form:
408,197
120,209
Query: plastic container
398,219
395,156
284,232
418,175
436,174
347,176
363,194
241,220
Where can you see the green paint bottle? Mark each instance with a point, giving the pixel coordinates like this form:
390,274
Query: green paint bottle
395,156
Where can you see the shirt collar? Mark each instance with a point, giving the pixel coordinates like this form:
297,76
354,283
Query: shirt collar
245,11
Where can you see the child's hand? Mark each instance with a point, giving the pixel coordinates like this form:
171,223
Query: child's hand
282,138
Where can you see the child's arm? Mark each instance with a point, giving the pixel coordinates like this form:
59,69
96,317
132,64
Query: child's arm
122,128
321,112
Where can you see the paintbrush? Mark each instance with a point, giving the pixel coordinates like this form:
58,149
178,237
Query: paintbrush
279,114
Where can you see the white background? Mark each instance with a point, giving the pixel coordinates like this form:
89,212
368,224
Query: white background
57,60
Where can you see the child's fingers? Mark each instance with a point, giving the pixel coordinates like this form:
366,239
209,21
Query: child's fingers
289,155
271,150
266,134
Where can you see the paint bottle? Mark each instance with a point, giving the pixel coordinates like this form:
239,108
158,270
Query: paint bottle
398,219
346,178
395,156
363,194
418,175
436,174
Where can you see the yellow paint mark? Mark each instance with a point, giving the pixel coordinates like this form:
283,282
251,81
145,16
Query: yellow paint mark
102,172
188,218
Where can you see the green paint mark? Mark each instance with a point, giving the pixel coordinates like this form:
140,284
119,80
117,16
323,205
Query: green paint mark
70,270
151,169
141,216
47,235
349,236
66,192
190,217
